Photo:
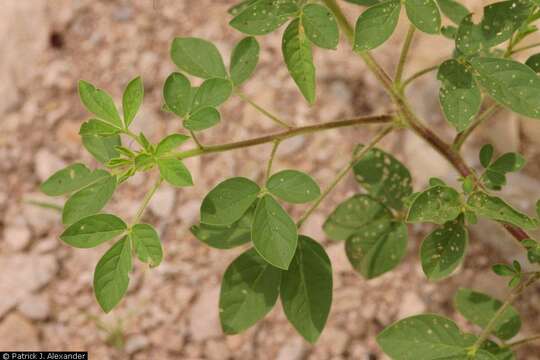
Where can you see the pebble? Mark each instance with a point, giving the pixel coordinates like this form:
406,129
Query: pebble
46,163
204,316
18,334
17,237
35,307
136,343
410,304
162,203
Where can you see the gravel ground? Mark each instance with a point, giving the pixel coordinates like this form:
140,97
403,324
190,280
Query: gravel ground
171,312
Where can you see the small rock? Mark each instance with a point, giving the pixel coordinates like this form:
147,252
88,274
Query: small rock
40,219
18,334
292,350
410,304
136,343
336,253
35,307
216,350
46,245
47,163
123,13
17,237
162,203
334,340
291,146
204,320
189,212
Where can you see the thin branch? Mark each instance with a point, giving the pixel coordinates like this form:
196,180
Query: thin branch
263,111
341,174
196,139
462,136
417,75
523,341
404,52
271,159
146,201
208,149
523,48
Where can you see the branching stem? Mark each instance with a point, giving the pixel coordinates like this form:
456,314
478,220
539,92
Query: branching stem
404,52
146,201
418,74
271,159
263,111
462,136
523,341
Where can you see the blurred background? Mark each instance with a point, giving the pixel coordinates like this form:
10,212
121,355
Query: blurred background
171,312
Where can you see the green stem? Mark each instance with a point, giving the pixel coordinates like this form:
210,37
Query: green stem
263,111
523,48
523,341
134,136
418,74
516,292
197,142
462,136
146,201
271,159
303,130
341,174
404,52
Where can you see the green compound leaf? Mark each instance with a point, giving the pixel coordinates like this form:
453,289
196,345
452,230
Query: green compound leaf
132,99
306,289
533,250
534,62
299,59
469,37
495,175
249,290
363,2
496,209
480,308
212,93
320,25
453,10
111,277
264,16
459,95
377,248
102,146
147,244
71,178
384,177
273,233
499,353
169,143
198,57
226,236
486,154
93,230
202,119
444,249
509,83
89,200
175,172
424,14
99,103
376,25
241,6
353,215
244,59
228,201
427,337
437,204
177,94
293,186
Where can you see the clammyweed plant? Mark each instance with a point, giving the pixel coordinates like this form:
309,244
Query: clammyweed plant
477,79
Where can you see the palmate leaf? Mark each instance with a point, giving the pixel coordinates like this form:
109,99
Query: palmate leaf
509,83
428,337
244,59
99,103
459,95
202,119
293,186
100,139
273,233
438,204
198,57
147,244
298,57
93,230
175,172
495,175
211,93
261,17
424,14
320,25
480,308
249,290
384,177
169,143
443,250
306,289
376,25
111,277
71,178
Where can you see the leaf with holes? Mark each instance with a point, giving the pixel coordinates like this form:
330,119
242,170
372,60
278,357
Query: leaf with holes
376,25
264,16
198,57
384,177
89,200
93,230
249,290
132,99
496,209
306,289
424,14
177,94
299,59
99,103
244,59
437,204
111,277
71,178
320,25
175,172
443,250
273,233
459,95
480,308
147,244
293,186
